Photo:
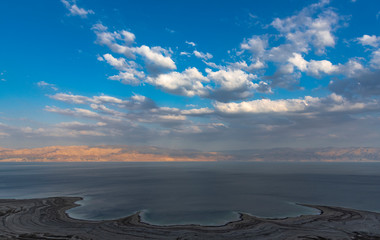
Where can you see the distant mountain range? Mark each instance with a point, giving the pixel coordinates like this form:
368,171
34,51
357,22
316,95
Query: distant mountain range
155,154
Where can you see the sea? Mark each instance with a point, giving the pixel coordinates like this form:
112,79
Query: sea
206,193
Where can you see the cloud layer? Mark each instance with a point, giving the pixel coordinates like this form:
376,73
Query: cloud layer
287,83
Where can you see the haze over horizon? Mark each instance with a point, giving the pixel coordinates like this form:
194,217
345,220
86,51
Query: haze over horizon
233,75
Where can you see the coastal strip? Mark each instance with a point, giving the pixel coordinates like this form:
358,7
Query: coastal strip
46,218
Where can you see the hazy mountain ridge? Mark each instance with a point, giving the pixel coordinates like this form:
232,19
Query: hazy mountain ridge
98,153
352,154
145,154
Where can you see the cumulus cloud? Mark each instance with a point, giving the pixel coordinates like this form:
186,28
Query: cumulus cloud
375,59
156,59
249,68
331,103
118,63
128,70
311,29
111,40
366,40
351,68
283,53
263,87
265,106
75,10
256,45
316,68
285,77
313,67
302,29
187,83
204,56
231,79
298,61
130,77
138,102
374,42
223,85
116,114
231,84
324,67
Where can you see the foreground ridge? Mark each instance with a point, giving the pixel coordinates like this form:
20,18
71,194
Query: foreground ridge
46,218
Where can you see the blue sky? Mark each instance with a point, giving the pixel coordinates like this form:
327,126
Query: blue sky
208,75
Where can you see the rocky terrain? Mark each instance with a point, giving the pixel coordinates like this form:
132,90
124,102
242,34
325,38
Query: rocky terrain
47,219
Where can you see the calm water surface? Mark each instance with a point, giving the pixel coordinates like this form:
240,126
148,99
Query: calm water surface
201,193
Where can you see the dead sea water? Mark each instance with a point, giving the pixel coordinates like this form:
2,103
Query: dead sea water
198,193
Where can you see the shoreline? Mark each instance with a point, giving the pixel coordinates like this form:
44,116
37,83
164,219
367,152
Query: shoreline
46,218
82,202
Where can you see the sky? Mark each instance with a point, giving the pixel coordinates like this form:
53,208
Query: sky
205,75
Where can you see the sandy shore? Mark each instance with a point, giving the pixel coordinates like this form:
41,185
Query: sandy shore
46,218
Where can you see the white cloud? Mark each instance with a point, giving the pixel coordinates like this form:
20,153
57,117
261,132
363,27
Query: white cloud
256,45
311,29
128,37
375,59
110,39
302,29
128,70
231,79
331,103
99,27
43,84
185,53
86,113
104,109
298,61
188,83
316,68
99,58
367,40
154,59
249,68
214,65
204,56
191,43
231,84
313,67
197,111
107,99
337,103
134,102
172,117
75,10
69,98
130,77
351,68
118,63
265,106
